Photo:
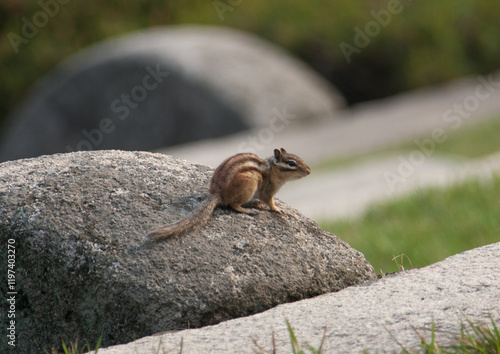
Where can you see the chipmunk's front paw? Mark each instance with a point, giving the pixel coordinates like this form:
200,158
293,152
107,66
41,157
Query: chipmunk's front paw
276,210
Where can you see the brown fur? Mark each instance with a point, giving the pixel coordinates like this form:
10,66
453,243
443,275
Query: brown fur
238,180
193,222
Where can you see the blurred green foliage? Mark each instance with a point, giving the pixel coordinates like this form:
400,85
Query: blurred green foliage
425,43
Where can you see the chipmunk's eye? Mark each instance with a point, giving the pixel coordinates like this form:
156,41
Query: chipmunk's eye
292,163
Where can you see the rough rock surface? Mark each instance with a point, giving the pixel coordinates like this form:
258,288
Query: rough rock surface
78,222
379,317
173,85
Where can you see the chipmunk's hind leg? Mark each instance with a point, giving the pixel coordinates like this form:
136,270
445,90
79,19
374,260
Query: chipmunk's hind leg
241,209
244,190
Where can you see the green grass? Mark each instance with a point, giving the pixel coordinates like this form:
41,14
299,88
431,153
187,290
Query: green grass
468,141
473,141
426,226
73,347
474,338
296,346
434,223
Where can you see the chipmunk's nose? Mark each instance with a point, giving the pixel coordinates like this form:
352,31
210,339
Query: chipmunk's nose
308,171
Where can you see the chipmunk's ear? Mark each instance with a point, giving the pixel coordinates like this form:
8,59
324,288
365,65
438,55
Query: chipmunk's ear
283,150
277,155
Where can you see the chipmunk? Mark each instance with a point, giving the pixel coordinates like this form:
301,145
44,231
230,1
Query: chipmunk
239,180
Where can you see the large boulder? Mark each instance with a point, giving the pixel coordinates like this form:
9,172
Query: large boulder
83,268
161,87
391,315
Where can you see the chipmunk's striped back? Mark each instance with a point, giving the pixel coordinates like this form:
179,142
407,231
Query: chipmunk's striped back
232,166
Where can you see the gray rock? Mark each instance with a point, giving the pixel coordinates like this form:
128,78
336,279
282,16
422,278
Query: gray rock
165,86
382,317
78,223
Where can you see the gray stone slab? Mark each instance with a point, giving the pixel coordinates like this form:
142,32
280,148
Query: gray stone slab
381,317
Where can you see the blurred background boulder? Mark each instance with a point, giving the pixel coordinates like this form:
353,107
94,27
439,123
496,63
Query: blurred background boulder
407,44
367,50
161,87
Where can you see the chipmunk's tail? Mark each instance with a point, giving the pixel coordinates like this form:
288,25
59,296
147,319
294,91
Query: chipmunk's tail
193,222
